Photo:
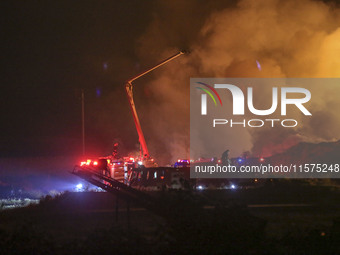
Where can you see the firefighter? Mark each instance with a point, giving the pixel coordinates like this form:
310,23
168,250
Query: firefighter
115,151
225,158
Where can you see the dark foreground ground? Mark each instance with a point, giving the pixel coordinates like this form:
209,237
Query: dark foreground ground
278,218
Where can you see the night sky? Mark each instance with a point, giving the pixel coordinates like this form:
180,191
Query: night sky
49,51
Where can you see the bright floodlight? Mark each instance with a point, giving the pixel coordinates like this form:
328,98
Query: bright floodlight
200,187
79,186
233,186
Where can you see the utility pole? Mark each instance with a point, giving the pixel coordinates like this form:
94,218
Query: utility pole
83,120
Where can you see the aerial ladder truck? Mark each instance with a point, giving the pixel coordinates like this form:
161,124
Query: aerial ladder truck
106,165
145,158
88,170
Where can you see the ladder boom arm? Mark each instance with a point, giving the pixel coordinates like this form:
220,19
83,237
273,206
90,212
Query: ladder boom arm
145,151
129,92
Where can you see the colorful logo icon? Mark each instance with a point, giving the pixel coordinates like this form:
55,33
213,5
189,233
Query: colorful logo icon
209,93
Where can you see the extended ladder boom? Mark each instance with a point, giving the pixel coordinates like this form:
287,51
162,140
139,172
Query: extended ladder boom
128,88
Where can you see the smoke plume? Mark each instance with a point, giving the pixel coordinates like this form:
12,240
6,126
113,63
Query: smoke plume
265,38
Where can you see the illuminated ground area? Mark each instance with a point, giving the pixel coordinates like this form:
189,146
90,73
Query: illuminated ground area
15,203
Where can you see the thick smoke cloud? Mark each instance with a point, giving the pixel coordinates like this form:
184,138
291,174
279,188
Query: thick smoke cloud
287,38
